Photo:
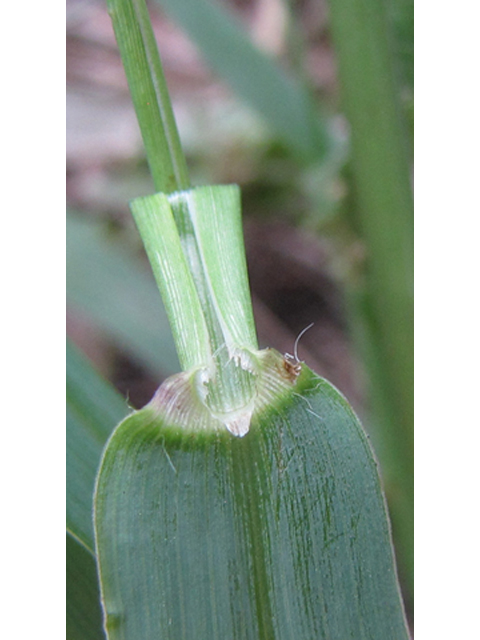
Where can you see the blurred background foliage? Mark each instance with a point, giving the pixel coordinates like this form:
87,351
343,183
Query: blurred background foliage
259,101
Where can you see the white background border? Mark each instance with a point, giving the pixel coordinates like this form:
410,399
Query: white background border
447,328
32,268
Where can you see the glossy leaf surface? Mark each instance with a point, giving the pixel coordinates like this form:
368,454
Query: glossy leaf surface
281,534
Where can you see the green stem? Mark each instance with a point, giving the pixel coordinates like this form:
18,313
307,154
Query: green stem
138,49
362,39
193,239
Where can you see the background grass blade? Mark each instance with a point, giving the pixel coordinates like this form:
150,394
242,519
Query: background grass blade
283,103
93,407
109,286
363,41
84,613
282,534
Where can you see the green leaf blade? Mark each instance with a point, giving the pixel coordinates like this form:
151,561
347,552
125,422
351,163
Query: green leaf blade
279,99
93,407
364,45
111,289
84,613
281,534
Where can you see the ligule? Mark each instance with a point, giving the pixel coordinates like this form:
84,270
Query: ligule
183,401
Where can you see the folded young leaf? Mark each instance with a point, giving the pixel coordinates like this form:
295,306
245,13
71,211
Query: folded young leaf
279,534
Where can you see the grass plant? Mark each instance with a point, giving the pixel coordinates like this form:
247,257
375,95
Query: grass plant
244,500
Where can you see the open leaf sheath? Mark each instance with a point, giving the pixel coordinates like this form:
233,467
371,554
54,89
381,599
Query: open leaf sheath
281,534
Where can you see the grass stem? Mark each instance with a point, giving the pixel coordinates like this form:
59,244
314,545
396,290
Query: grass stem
146,80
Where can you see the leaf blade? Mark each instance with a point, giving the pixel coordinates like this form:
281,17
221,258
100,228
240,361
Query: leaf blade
93,408
364,44
220,533
279,99
84,613
113,290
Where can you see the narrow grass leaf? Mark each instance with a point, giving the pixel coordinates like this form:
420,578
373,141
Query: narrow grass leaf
84,613
109,286
283,103
93,407
362,36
